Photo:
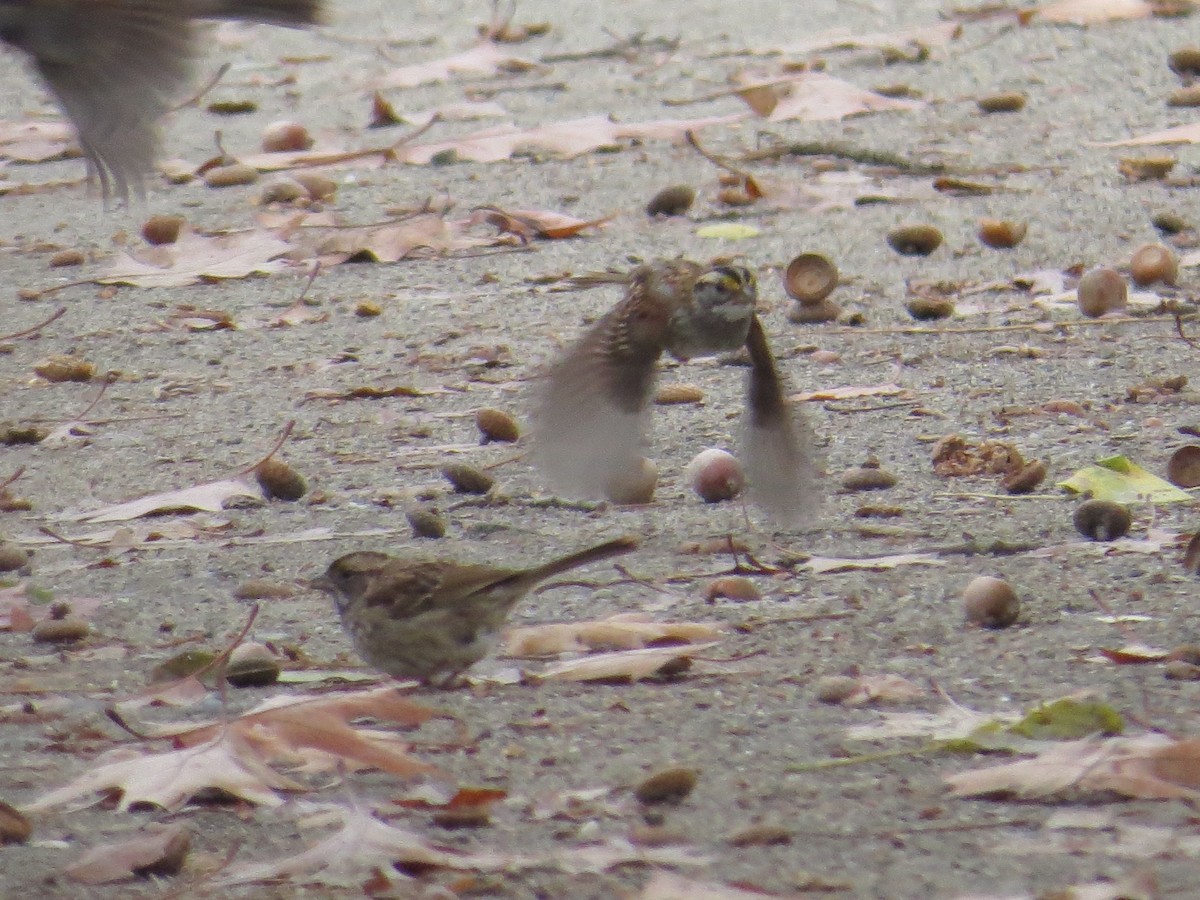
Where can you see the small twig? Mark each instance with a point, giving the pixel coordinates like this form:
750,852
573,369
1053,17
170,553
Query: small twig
1179,330
1042,325
506,461
58,314
221,658
11,478
283,436
862,155
622,47
63,539
717,161
109,378
194,100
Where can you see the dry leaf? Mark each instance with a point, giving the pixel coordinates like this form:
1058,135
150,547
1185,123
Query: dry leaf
905,40
822,565
315,732
560,139
196,258
616,633
1148,767
158,850
528,224
170,779
1092,12
850,392
633,665
1180,134
669,886
483,59
35,142
210,497
816,97
869,689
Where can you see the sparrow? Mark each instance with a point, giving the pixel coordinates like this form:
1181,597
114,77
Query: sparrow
116,65
592,416
420,618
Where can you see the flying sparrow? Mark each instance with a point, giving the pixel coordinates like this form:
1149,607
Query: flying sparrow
594,410
417,618
115,65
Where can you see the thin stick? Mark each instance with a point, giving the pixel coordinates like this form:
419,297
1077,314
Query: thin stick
194,100
11,478
283,436
58,314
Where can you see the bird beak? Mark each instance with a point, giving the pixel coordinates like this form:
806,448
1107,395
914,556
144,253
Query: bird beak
321,583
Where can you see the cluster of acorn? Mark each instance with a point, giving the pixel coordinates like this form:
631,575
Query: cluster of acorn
1103,290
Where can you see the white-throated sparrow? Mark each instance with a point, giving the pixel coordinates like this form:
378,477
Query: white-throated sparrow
592,415
419,618
114,66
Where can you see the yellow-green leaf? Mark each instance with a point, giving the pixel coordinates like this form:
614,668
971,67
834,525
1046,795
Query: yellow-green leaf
730,231
1122,481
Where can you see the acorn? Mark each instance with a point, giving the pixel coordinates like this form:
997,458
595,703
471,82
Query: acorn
1185,96
1025,479
675,200
914,240
814,313
425,522
836,688
280,481
1102,520
1100,291
732,587
318,185
60,368
64,258
1185,62
282,189
162,229
466,479
715,475
1009,101
1154,262
1148,168
929,309
1191,556
867,478
1170,223
66,630
284,136
990,602
1183,468
810,278
667,786
232,175
13,557
252,665
1001,234
496,425
635,486
677,394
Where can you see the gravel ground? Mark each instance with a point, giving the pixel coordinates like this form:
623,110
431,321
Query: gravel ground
191,407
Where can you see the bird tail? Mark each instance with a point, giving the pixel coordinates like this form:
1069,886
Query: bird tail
583,557
268,12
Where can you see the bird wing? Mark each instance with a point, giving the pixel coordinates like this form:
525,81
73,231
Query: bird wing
114,69
592,416
778,444
405,589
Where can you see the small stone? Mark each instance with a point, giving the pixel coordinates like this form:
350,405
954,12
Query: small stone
252,665
1010,101
163,229
280,481
425,522
991,602
496,425
13,557
67,630
732,587
667,786
836,688
466,479
233,175
675,200
867,478
64,258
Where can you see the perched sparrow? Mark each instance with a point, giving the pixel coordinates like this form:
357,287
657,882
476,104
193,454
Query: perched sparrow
417,618
114,65
592,417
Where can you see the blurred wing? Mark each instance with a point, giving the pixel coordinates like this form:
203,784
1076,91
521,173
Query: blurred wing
780,459
114,69
592,416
